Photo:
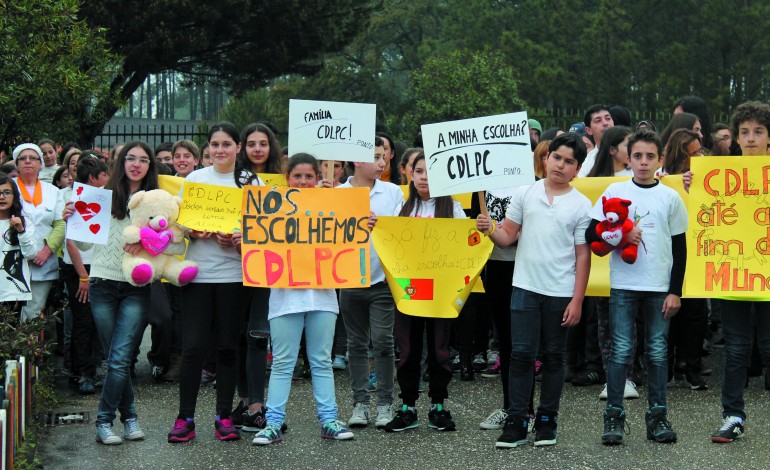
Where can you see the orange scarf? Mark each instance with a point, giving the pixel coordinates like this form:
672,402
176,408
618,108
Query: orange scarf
38,199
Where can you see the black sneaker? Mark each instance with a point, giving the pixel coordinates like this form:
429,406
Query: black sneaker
658,426
253,422
695,381
237,414
455,364
404,419
614,426
440,419
590,377
545,430
467,373
514,432
731,429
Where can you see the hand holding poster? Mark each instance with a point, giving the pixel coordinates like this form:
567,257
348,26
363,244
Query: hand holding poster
305,238
90,223
332,131
728,242
478,154
210,208
431,264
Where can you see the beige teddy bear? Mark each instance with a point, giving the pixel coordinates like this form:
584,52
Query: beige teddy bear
153,217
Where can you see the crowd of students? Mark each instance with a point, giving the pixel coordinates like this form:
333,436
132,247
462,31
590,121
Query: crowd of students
534,318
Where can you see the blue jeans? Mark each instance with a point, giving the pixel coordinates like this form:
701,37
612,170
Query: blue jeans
120,311
737,325
286,332
624,305
536,325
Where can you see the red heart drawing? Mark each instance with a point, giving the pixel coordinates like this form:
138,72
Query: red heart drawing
87,211
95,228
80,190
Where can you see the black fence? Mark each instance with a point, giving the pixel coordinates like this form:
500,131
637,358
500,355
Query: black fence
153,134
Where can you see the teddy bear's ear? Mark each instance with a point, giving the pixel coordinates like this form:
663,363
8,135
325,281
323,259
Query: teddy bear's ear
625,202
135,198
604,200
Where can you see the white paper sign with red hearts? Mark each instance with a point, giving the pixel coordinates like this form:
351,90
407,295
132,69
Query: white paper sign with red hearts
91,221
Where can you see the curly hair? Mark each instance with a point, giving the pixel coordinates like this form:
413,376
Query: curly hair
750,111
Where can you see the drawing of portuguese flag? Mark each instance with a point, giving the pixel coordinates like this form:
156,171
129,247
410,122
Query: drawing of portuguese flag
416,289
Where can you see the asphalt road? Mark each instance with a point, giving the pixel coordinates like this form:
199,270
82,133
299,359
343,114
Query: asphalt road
694,415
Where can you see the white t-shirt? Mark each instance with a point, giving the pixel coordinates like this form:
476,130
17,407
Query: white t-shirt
497,201
625,172
216,264
661,214
15,280
65,194
588,163
427,209
545,258
286,301
43,216
384,197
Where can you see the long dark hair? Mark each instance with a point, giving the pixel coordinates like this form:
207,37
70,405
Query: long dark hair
612,137
12,235
444,204
677,158
395,175
273,164
119,184
241,173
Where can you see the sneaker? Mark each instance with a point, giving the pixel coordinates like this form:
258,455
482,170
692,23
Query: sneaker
106,435
384,416
132,431
183,431
336,430
658,426
695,381
603,394
339,363
440,419
586,378
270,435
614,426
479,362
630,391
731,429
360,416
514,433
492,357
86,386
207,377
545,430
495,421
158,373
404,419
493,370
467,371
455,363
371,386
237,414
253,422
224,430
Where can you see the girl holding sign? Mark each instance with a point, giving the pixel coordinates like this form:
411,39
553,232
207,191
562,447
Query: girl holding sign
18,246
215,304
119,308
292,311
409,329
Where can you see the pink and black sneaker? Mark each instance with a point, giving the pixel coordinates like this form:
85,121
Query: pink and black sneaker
183,431
224,430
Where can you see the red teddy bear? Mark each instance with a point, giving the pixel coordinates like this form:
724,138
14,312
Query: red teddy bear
613,230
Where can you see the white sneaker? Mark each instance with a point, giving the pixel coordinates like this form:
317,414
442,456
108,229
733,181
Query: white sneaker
360,416
384,415
603,395
132,431
630,390
495,421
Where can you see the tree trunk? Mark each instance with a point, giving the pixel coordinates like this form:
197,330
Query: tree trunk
149,96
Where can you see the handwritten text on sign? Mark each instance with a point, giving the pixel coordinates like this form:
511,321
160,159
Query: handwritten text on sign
210,207
332,131
728,247
478,154
305,238
431,264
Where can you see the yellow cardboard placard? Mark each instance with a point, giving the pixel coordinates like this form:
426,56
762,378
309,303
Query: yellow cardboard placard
170,184
728,242
464,199
209,207
431,264
272,179
310,238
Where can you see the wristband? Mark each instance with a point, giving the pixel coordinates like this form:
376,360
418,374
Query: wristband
83,279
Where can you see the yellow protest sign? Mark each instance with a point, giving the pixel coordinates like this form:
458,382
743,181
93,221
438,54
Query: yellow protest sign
272,179
170,184
431,264
464,199
305,238
209,207
593,188
728,242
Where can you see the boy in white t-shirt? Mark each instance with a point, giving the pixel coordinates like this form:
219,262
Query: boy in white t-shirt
549,219
652,284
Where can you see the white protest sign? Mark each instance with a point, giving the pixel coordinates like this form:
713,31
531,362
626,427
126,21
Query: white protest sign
330,130
477,154
90,222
